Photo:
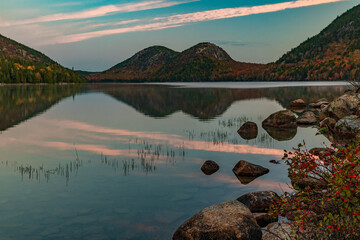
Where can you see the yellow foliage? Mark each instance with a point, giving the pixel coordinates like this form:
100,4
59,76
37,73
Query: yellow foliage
18,66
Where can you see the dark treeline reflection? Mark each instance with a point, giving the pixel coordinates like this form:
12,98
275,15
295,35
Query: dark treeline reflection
21,102
206,103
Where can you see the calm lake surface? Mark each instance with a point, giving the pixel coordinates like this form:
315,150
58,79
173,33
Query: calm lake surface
123,161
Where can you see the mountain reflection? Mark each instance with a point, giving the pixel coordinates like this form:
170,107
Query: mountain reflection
19,103
205,103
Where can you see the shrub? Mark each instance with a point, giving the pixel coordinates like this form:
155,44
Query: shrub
329,209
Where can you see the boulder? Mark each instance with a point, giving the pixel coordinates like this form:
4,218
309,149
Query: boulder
209,167
320,103
281,119
343,106
246,169
248,130
258,201
277,231
225,221
281,134
298,103
348,127
264,219
307,118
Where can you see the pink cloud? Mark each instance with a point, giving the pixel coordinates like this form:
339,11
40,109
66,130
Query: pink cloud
181,19
97,12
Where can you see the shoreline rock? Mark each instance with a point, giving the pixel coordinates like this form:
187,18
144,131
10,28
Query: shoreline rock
225,221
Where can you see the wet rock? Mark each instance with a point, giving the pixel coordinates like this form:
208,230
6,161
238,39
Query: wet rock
277,231
248,130
281,119
224,221
298,104
343,106
209,167
328,123
246,169
258,201
264,219
348,127
246,180
307,118
281,134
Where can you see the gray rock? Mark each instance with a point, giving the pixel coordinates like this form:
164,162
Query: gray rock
307,118
258,201
246,169
343,106
281,119
225,221
248,130
277,231
348,127
209,167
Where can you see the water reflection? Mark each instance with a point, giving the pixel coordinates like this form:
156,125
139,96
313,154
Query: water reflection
19,103
205,104
90,143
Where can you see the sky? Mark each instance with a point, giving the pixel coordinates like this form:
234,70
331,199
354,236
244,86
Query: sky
94,35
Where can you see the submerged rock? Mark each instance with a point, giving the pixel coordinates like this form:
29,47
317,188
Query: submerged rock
246,169
277,231
225,221
281,134
258,201
298,104
308,118
209,167
281,119
274,161
248,130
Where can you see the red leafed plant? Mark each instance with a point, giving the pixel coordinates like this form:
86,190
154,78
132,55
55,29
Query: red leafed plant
329,206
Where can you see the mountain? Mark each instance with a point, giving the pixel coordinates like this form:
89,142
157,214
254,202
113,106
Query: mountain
333,54
21,64
204,61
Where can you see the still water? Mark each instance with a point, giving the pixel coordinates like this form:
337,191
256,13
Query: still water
123,161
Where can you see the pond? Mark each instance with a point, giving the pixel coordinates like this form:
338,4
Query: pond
122,161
